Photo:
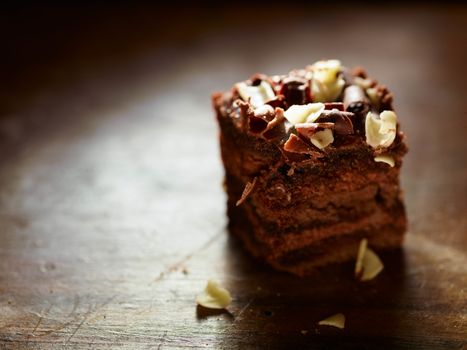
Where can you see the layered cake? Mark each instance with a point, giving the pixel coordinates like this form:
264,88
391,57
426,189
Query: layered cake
312,161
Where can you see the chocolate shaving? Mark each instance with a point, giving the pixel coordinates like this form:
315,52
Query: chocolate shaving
342,121
265,112
257,125
355,100
247,191
276,127
242,110
307,130
296,145
258,122
276,131
296,90
278,102
334,105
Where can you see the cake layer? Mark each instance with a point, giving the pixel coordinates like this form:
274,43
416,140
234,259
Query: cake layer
321,209
305,258
279,241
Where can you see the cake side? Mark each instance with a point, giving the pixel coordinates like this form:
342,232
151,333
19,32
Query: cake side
307,181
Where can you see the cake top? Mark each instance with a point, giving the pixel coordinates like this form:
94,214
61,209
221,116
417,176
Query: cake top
314,110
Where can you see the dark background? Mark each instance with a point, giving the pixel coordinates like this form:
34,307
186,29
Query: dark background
112,215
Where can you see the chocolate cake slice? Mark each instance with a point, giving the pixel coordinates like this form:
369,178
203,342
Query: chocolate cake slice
312,161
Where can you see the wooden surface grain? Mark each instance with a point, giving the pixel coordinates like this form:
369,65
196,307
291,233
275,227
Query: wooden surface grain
112,214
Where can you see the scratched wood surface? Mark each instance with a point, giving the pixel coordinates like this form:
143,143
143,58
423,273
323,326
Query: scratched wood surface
112,214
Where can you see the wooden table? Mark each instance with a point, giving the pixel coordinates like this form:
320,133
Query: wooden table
112,214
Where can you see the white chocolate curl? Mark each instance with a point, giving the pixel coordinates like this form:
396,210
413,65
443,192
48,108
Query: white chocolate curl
322,139
326,84
214,296
385,159
257,95
304,113
381,132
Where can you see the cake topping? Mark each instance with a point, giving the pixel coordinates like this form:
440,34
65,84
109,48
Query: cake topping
327,83
268,123
322,139
385,159
214,296
342,121
355,99
380,132
278,101
258,94
337,320
265,112
270,107
296,90
259,121
304,113
319,134
334,105
277,127
296,145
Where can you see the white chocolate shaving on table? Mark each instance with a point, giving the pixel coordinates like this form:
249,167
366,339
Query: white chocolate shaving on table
257,95
214,296
368,264
322,139
326,84
380,132
385,159
337,320
304,113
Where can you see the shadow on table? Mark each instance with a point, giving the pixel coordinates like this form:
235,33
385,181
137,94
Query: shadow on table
278,310
203,313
